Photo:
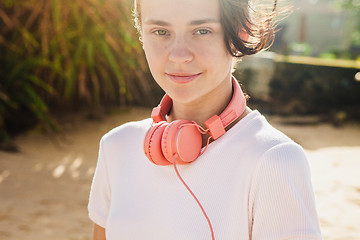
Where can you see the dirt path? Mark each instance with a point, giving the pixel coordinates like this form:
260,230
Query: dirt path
44,189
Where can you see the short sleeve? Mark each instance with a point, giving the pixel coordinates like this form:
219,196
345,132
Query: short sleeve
282,202
99,200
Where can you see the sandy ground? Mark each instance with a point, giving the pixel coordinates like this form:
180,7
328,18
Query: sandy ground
44,188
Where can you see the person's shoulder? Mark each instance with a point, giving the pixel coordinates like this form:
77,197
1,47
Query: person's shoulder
127,131
277,149
264,139
256,127
274,157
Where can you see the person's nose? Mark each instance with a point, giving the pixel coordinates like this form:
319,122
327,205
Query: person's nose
181,51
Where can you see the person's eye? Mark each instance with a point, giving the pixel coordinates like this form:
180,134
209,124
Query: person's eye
161,32
203,31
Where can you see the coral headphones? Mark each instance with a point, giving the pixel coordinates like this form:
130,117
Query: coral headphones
181,139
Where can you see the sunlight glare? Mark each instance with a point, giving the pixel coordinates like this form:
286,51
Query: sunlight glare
5,174
59,171
357,77
77,163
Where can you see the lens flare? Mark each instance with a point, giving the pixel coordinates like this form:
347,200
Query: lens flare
357,77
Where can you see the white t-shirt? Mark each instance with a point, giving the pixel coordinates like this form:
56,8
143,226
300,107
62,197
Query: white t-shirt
253,182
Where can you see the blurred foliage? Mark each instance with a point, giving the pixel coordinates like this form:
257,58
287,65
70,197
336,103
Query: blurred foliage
302,89
66,54
353,6
295,85
328,55
300,49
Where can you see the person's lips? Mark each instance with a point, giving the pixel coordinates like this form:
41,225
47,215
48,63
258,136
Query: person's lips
183,77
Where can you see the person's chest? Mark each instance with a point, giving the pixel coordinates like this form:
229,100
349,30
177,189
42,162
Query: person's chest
150,202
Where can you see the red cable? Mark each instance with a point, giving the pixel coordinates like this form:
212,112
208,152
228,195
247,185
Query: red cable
192,194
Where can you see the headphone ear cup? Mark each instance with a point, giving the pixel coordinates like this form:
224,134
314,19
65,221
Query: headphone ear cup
152,144
167,141
181,138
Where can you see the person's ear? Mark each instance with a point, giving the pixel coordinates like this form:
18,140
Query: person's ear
244,35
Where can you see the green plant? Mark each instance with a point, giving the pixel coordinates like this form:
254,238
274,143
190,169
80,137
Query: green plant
68,54
302,49
353,7
20,91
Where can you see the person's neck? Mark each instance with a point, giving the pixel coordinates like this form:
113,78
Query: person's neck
203,108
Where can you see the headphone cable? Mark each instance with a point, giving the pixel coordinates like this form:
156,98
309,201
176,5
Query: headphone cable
193,195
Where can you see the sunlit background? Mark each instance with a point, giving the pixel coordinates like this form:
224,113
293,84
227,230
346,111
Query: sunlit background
72,70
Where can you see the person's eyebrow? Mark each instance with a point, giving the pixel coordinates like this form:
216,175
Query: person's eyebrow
192,23
204,21
157,22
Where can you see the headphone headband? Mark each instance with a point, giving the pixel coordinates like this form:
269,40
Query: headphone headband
216,124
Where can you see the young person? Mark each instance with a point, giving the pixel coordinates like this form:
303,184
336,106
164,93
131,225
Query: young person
204,166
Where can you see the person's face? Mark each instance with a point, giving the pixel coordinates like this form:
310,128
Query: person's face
185,49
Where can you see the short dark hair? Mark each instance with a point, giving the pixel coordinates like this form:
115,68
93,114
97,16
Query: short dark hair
239,16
